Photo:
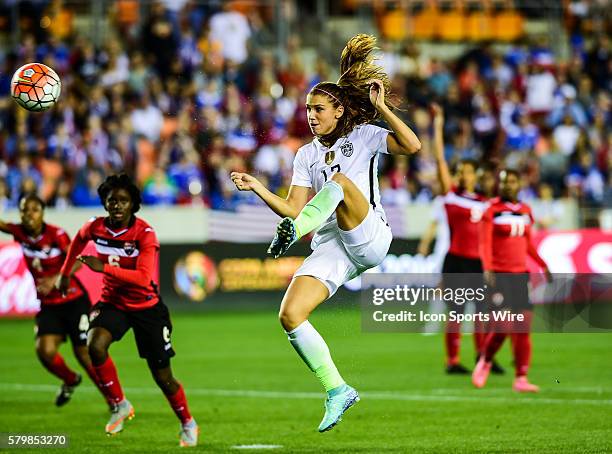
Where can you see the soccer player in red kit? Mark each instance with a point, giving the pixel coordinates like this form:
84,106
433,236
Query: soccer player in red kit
127,255
464,207
505,235
44,248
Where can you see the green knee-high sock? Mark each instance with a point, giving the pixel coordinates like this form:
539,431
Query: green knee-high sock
314,351
320,207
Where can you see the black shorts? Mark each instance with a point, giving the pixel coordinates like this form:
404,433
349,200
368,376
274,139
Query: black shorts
152,328
511,291
66,319
461,273
456,264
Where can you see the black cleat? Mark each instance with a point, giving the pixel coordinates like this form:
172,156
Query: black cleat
457,369
285,236
497,369
65,392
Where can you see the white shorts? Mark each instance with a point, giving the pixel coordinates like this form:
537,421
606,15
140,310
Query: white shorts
348,253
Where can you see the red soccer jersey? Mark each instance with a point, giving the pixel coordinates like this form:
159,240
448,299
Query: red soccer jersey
130,256
44,256
464,211
505,237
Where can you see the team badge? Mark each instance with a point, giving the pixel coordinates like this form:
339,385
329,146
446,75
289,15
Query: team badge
347,149
129,247
329,157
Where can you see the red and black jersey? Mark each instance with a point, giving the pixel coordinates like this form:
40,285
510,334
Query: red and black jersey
464,211
44,256
505,237
130,256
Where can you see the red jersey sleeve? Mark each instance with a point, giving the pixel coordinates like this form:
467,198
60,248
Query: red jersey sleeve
486,239
63,240
145,264
76,247
12,229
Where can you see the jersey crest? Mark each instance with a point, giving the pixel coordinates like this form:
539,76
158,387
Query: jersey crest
329,157
347,149
129,247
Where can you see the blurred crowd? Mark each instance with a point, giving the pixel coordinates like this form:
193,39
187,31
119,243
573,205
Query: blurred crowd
191,92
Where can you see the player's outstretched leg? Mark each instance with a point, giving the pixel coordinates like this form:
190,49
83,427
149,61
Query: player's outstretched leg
98,342
81,353
174,392
315,213
47,352
303,295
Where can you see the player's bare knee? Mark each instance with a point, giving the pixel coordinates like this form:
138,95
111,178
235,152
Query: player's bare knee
45,352
165,381
290,319
341,179
98,351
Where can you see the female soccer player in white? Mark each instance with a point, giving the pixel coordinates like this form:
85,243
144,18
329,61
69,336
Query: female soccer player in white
340,164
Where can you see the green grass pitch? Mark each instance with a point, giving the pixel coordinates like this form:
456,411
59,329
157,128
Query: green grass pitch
246,386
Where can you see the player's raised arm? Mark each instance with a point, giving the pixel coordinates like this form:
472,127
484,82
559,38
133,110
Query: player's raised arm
403,140
424,246
444,176
289,207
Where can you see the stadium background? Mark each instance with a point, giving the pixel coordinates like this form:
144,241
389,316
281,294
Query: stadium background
163,91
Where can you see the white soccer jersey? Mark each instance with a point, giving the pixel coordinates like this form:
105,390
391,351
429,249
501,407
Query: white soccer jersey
355,156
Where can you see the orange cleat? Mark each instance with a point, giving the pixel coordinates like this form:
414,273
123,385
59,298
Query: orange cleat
481,372
122,411
522,385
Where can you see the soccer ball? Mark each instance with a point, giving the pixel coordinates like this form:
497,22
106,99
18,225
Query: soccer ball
35,87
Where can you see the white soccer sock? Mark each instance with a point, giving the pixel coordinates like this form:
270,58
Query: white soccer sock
314,351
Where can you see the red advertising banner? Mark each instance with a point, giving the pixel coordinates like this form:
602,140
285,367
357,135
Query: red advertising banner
17,289
586,251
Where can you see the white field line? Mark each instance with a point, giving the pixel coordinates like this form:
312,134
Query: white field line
257,447
370,395
549,388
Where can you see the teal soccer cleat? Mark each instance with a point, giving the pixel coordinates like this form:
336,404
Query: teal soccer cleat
285,236
336,405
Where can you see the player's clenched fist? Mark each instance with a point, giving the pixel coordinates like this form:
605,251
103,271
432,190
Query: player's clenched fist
244,181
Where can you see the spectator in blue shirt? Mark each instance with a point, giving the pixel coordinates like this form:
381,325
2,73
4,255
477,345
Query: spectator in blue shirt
159,189
85,193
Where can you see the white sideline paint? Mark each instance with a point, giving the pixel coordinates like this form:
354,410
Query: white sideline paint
257,446
479,396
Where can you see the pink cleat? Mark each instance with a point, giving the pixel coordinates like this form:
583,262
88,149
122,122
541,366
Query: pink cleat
481,372
522,385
